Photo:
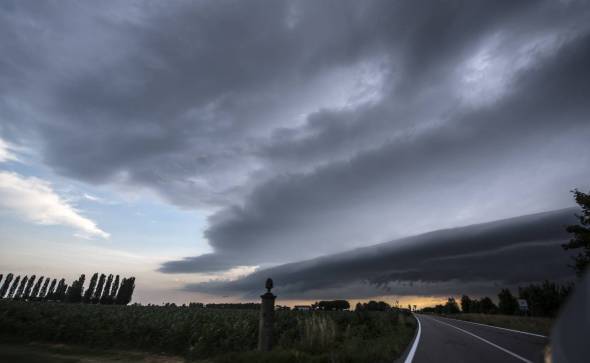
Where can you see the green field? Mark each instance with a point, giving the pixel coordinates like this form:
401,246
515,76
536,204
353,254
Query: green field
145,333
523,323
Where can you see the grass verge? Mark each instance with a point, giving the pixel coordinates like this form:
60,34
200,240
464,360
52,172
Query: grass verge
528,324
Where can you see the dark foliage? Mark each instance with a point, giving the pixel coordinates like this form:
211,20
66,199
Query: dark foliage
99,287
11,294
487,306
51,291
581,233
451,306
6,285
115,288
373,306
331,305
507,303
466,304
21,288
125,291
43,292
544,299
36,288
29,287
106,291
60,291
74,292
437,309
90,290
233,306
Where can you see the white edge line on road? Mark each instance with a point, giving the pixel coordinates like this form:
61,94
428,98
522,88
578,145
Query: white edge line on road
497,327
486,341
410,356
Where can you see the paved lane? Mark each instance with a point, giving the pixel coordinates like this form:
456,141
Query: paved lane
449,340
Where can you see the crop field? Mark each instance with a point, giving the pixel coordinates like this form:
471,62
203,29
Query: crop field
211,335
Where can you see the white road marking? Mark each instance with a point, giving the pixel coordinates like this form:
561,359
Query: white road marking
485,341
410,356
497,327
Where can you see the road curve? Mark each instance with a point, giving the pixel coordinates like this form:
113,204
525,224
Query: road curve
449,340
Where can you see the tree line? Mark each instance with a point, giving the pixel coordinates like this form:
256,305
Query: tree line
373,306
102,289
331,305
542,299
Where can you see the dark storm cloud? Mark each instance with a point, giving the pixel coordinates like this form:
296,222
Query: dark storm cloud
474,259
306,127
422,176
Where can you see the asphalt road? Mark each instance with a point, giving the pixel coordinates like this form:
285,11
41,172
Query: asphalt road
449,340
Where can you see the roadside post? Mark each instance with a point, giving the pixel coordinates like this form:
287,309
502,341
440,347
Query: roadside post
267,318
523,306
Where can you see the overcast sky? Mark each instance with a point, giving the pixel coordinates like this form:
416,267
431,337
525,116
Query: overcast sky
194,140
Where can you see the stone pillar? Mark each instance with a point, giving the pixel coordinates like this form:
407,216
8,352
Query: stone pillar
267,319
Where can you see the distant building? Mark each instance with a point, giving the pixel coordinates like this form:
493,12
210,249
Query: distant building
302,308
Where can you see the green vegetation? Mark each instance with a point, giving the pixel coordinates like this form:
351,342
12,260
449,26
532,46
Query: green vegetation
581,234
213,335
529,324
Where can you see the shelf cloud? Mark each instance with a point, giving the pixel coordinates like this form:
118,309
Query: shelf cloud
475,259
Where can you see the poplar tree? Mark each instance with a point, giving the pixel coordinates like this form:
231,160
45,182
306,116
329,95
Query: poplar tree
106,294
99,287
125,291
21,287
6,285
90,291
43,292
121,292
29,287
62,293
130,290
60,290
115,288
74,292
35,291
51,292
13,287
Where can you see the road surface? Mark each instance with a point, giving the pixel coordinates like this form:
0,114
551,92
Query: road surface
449,340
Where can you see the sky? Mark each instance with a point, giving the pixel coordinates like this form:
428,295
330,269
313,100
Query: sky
203,145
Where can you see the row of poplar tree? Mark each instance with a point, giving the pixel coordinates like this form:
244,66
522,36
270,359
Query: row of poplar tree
101,290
